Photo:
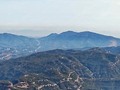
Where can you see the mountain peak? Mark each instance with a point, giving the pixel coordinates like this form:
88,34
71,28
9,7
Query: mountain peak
82,33
6,34
53,34
68,32
88,32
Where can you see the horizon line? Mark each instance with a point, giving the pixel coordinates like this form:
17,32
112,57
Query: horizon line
57,33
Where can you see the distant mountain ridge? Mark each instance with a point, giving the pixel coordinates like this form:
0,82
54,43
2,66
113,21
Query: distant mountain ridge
70,39
13,46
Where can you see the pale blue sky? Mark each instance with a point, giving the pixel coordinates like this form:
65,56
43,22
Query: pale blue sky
41,17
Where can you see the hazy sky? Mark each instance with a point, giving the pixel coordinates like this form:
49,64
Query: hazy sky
41,17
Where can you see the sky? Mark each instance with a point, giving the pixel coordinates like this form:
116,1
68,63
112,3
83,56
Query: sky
42,17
